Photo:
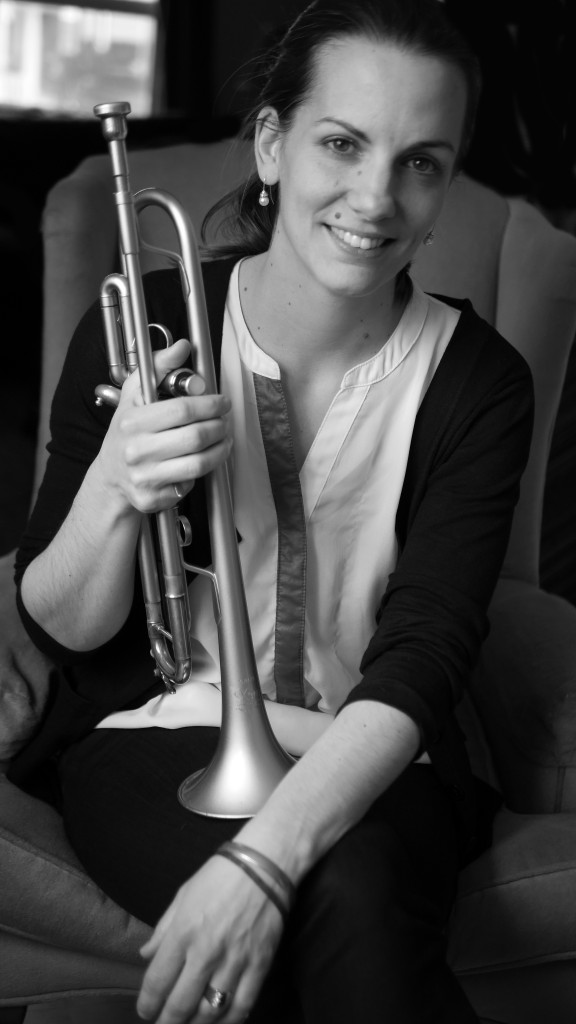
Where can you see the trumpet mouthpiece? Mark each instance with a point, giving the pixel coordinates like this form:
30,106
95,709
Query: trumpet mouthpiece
113,117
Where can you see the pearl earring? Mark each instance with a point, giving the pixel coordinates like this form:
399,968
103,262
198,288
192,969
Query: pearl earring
264,198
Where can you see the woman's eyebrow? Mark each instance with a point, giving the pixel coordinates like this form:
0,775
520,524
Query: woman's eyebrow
419,143
343,124
433,144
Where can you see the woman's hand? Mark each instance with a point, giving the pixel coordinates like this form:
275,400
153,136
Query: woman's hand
151,449
221,931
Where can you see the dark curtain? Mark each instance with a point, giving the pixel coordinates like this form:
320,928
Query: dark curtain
186,49
525,140
205,52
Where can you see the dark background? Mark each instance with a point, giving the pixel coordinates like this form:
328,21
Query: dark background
525,145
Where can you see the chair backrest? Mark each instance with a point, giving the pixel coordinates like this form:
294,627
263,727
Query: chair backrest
520,273
518,270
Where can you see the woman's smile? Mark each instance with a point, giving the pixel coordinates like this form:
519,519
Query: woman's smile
358,244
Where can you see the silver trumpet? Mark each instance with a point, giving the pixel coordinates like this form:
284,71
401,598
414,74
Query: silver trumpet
248,762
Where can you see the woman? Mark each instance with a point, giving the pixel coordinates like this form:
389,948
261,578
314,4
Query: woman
378,436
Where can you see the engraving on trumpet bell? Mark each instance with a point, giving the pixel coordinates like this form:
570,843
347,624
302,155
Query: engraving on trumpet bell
245,697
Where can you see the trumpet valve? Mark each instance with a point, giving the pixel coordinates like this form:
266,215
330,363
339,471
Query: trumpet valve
182,382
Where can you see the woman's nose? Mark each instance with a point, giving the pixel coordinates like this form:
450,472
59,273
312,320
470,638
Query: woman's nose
372,194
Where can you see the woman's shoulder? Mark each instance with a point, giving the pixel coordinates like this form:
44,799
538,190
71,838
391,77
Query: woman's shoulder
477,343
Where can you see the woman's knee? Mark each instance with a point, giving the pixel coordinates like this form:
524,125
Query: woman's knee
360,886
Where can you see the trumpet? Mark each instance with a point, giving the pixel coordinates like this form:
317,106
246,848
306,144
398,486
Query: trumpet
248,762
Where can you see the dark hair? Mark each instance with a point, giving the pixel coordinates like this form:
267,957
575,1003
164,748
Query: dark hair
285,75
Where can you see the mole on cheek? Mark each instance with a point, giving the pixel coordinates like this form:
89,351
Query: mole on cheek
337,216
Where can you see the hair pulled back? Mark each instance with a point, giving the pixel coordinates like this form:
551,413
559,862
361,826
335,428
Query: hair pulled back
284,75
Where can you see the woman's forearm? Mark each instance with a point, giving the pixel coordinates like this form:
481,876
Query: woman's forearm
356,759
79,590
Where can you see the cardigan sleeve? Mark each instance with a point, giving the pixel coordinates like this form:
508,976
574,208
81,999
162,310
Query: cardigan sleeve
433,616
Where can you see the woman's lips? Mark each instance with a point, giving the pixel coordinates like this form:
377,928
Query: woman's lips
355,242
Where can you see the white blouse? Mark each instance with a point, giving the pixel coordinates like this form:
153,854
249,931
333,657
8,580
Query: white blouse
317,547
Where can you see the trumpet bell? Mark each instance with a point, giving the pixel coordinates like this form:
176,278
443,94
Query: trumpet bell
238,780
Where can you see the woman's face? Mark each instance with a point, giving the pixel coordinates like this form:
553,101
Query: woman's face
365,165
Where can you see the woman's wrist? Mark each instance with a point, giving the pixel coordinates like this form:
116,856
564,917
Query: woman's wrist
106,491
289,844
265,873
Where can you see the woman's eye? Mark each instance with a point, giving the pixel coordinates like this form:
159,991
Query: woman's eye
423,164
340,145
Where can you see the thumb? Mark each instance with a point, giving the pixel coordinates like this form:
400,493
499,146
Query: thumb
170,358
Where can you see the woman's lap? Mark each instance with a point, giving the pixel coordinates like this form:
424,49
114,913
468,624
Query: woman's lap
381,896
123,818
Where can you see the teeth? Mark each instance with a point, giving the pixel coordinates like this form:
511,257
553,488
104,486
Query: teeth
358,241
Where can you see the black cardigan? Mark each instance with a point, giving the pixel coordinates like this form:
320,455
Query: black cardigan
469,447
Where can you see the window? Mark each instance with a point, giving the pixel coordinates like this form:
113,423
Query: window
63,58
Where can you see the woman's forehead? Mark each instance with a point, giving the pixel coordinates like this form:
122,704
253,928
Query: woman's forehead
369,80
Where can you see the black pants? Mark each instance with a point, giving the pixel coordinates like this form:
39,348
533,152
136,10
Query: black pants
365,940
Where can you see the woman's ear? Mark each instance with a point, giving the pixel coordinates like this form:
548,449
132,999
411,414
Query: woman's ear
267,145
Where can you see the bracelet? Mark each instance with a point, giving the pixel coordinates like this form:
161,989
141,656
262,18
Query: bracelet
267,889
258,860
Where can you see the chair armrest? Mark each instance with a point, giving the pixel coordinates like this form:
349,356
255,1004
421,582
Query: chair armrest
24,671
47,896
524,690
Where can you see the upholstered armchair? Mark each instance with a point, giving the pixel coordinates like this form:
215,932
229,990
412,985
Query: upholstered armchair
512,937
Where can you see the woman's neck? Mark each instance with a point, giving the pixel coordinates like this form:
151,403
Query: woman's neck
297,323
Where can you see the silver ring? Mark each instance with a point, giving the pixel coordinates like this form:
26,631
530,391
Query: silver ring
216,998
179,494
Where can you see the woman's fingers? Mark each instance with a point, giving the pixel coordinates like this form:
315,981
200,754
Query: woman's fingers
175,991
210,951
150,436
170,413
170,358
162,483
157,450
149,948
200,999
166,361
151,449
162,979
